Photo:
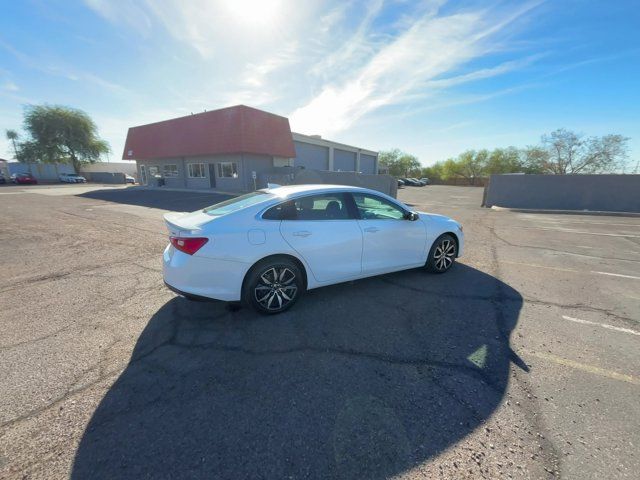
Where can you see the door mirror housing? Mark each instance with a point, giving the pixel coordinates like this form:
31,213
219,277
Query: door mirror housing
412,216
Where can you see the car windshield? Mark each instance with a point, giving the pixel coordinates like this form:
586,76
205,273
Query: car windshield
238,203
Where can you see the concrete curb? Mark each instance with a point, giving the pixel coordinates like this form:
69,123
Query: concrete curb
566,212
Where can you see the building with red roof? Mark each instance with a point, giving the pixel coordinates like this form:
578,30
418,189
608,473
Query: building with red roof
232,149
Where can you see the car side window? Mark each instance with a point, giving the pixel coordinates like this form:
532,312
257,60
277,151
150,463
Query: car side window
282,211
329,206
372,207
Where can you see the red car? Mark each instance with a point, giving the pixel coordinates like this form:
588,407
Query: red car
25,179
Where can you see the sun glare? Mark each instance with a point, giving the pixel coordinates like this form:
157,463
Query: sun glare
253,13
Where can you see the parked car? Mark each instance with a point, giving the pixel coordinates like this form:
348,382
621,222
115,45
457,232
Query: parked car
419,182
129,179
425,180
268,247
411,182
400,183
2,179
24,179
72,178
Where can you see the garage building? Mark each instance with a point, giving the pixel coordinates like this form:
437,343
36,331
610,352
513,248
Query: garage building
224,149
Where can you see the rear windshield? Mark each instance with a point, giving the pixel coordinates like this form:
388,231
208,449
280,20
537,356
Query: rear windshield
238,203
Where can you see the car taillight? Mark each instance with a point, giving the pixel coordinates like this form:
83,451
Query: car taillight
188,245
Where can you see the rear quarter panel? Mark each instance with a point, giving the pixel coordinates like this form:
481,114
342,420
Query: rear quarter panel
244,238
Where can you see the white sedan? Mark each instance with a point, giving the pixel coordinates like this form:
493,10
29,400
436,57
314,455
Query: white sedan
72,178
267,247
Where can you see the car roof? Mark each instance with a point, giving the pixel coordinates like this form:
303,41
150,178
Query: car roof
288,190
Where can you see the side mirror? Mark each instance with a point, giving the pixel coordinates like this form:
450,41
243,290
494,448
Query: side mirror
413,216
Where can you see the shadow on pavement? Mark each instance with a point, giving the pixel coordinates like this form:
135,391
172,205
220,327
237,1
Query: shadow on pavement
359,380
162,199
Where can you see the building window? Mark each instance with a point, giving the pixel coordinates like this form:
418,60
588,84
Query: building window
228,170
153,170
196,170
170,170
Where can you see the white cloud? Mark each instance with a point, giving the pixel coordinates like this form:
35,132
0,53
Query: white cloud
354,47
127,12
208,26
431,47
61,69
334,16
330,64
233,50
256,73
9,86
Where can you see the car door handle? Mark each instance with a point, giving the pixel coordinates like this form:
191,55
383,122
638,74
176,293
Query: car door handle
371,229
302,233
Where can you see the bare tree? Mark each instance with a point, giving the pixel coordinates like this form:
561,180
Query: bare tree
565,152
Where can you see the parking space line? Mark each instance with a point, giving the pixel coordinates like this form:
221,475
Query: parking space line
587,368
542,266
603,325
570,230
616,275
562,222
632,277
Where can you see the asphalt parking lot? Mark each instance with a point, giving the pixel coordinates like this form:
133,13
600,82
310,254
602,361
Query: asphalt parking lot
521,362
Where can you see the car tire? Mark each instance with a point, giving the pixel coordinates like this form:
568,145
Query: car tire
273,285
443,254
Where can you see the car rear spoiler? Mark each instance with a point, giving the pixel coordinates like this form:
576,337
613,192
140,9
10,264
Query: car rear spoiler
172,220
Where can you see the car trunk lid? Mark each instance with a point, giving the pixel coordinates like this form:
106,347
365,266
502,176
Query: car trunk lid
186,224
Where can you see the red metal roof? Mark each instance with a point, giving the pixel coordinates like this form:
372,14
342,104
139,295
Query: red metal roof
238,129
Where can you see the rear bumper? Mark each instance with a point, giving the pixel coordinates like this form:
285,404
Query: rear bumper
188,296
198,277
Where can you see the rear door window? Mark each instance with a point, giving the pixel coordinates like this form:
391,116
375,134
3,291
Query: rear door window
326,206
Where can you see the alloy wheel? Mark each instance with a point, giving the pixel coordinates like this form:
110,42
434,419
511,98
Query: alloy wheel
276,288
444,254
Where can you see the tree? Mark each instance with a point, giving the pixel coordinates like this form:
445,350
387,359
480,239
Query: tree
470,165
410,164
535,158
399,163
58,133
433,173
565,152
504,160
13,136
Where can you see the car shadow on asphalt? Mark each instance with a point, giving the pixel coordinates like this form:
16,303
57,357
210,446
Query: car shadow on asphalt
360,380
162,199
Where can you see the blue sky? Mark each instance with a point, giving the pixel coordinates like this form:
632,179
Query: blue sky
433,78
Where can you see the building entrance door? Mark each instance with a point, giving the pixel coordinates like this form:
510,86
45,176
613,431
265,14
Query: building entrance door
143,175
212,175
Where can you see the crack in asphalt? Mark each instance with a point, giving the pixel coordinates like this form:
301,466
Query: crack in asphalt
536,247
533,413
123,225
81,270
